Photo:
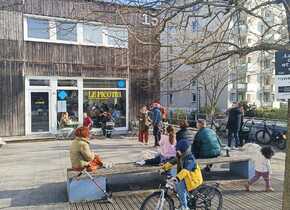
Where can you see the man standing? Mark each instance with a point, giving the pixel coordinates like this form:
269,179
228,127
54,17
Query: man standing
234,124
157,123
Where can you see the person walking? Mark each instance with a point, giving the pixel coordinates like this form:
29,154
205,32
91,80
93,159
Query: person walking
157,123
262,168
234,124
144,123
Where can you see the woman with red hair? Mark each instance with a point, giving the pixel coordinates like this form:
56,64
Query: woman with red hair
81,155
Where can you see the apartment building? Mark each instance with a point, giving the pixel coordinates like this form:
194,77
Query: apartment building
250,78
254,74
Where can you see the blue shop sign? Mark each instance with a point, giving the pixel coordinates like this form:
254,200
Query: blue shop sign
121,83
62,95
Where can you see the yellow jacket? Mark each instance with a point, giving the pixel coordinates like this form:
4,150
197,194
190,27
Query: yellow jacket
187,170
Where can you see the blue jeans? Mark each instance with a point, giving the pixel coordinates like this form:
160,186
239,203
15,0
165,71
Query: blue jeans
236,137
182,193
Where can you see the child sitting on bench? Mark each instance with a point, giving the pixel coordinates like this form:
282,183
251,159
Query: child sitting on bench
167,149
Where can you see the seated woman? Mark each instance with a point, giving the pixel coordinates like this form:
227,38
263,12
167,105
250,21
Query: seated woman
64,120
81,155
167,149
206,143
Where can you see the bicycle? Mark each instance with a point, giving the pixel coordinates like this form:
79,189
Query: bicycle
271,134
201,198
220,128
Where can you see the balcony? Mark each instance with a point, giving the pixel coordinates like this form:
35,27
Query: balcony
242,67
267,88
241,29
242,87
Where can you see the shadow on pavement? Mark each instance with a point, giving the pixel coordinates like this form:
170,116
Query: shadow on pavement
50,193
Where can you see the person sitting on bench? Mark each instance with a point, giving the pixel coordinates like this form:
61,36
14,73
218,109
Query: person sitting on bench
167,149
206,143
81,155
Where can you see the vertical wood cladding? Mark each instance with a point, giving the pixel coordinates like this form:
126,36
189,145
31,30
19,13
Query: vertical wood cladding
19,58
12,99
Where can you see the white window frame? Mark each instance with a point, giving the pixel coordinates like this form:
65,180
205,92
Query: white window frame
79,31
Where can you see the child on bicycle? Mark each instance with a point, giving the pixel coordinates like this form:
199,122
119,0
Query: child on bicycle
185,179
262,168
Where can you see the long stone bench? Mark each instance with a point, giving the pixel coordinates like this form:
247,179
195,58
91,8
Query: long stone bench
130,177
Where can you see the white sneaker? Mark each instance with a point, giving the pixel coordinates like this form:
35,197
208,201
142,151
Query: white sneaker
233,148
182,208
141,162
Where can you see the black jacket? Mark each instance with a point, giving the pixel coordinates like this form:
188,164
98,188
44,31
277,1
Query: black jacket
184,134
235,118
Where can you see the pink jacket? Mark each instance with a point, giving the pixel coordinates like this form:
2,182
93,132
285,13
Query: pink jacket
167,150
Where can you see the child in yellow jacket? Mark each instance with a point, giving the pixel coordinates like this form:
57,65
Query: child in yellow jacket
186,179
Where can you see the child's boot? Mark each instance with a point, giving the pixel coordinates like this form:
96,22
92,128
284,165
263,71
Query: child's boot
247,186
270,189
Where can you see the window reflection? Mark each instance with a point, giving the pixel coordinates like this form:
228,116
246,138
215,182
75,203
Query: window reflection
67,108
96,102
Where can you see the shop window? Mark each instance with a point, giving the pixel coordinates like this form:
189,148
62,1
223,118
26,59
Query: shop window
95,83
67,83
117,37
98,102
67,104
66,31
37,28
39,82
93,34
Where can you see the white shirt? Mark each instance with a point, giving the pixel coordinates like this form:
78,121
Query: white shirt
262,164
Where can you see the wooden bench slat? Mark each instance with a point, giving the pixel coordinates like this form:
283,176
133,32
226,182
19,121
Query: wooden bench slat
126,168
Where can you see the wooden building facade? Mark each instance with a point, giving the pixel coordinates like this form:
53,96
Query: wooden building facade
73,56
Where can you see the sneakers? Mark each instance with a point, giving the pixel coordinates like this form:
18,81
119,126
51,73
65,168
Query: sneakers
182,208
247,186
108,165
141,162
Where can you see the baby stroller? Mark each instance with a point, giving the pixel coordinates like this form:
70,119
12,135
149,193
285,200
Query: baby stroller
245,132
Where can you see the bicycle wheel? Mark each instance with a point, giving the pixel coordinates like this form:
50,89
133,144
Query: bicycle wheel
281,143
153,202
263,137
207,198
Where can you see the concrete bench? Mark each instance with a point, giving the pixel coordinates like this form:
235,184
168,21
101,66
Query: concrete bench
129,177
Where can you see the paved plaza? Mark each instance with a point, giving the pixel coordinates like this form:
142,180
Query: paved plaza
33,175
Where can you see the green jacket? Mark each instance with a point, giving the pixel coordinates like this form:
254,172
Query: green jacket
80,153
206,144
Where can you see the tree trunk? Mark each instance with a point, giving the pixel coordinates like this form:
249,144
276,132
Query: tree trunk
286,192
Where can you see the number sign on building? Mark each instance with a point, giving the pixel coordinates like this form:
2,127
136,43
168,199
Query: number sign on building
282,71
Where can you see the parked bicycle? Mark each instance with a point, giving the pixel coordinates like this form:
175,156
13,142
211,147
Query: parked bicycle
220,128
207,197
270,134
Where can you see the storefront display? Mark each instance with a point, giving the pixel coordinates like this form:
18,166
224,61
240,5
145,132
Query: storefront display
67,102
96,102
57,102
